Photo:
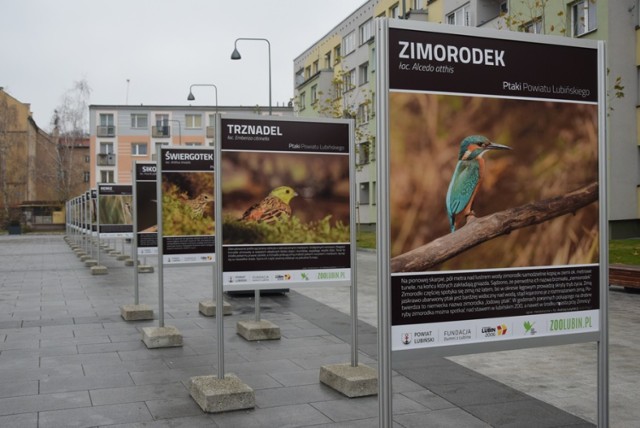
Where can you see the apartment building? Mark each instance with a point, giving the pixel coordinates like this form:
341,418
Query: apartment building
123,134
335,77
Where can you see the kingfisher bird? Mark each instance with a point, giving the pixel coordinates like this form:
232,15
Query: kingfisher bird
467,177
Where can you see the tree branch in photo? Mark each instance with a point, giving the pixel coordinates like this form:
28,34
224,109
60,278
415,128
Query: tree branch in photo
485,228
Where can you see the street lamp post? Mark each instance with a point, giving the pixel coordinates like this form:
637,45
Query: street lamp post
235,55
190,97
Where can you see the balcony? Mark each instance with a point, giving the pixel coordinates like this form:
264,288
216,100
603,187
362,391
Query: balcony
211,132
106,131
161,131
106,159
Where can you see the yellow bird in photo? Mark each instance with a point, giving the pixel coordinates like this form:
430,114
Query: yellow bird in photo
272,208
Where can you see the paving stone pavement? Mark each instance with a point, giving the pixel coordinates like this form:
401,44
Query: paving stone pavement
68,359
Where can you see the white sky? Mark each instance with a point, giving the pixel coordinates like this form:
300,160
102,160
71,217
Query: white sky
162,46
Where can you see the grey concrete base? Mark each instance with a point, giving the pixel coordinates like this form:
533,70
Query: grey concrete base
85,258
128,262
208,308
113,253
215,395
359,381
258,330
136,312
145,269
80,253
161,337
90,262
122,257
98,270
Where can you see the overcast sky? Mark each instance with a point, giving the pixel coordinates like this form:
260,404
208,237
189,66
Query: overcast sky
161,46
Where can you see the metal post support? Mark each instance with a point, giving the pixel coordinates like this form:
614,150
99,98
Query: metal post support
160,243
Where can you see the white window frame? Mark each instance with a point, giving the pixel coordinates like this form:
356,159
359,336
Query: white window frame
107,176
314,94
139,120
366,31
302,100
193,144
363,73
193,121
106,148
136,149
349,80
349,43
363,115
461,16
107,119
584,17
363,193
534,26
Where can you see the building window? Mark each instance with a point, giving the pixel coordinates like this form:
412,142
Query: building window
393,11
162,119
139,120
460,16
193,121
416,4
315,67
307,72
139,149
349,80
86,176
363,73
533,27
349,43
193,144
302,101
583,17
364,193
106,148
106,119
364,150
327,60
87,158
362,116
314,94
366,31
106,176
338,89
107,126
337,55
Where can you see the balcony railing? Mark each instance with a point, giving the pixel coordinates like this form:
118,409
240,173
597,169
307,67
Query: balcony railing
106,159
161,131
106,131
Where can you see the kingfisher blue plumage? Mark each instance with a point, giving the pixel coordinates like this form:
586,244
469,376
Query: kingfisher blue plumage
467,177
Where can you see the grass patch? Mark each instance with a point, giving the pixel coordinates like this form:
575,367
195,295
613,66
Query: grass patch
366,239
624,251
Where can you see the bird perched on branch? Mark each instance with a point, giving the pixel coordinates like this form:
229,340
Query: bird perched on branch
467,177
272,208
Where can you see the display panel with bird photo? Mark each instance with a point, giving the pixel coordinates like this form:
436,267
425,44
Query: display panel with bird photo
115,209
285,198
456,159
188,203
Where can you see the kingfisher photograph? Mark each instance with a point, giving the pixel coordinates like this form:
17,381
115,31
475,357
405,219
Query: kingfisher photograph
518,176
273,197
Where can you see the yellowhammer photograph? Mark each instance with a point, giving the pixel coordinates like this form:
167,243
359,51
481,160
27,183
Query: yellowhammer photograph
285,198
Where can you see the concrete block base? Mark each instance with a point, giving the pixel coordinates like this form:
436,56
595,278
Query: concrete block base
85,258
128,262
122,257
208,308
145,269
136,312
359,381
161,337
113,253
90,262
215,395
258,330
98,270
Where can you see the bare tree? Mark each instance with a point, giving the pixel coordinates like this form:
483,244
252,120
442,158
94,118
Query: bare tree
70,126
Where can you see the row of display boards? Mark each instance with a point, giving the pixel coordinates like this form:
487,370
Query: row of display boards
491,197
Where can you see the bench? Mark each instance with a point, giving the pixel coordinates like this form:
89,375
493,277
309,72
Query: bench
625,276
